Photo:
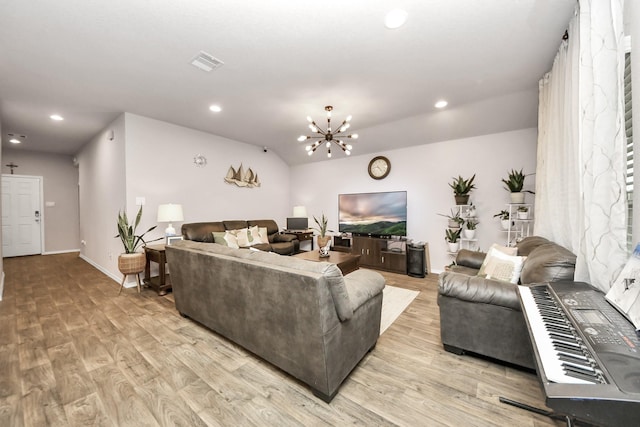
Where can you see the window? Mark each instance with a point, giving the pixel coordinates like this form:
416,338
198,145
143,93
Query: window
629,134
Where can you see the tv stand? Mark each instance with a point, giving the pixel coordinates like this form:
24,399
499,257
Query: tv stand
379,253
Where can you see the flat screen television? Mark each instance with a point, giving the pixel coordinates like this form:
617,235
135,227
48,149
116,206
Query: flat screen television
373,214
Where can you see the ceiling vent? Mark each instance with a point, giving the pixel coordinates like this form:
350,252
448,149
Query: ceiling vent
206,62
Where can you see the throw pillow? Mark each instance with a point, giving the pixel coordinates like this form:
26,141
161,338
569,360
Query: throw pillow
218,237
504,267
231,239
264,235
243,237
254,236
495,247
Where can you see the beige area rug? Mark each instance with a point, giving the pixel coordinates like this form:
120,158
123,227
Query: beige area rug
394,302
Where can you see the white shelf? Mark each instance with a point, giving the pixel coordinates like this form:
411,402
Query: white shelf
520,228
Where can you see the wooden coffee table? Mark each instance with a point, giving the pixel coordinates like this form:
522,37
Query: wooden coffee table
345,262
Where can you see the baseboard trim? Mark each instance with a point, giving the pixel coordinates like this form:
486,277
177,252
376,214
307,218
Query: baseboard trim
67,251
115,278
2,286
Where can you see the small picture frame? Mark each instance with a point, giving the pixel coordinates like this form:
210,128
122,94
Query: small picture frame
172,239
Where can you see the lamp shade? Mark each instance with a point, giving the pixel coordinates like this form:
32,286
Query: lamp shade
299,212
170,213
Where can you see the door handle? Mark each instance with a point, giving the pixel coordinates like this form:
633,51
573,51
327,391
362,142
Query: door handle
37,215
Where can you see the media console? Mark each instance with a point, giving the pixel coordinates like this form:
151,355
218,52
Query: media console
375,252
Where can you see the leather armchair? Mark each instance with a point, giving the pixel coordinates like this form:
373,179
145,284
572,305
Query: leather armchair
483,316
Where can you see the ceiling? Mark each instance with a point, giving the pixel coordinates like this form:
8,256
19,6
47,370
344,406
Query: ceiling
89,61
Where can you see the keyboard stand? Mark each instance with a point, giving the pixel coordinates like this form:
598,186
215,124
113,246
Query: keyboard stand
566,418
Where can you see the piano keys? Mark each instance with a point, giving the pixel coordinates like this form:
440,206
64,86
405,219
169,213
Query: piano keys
587,353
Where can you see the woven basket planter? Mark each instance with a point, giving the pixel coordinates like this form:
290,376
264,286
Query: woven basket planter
131,263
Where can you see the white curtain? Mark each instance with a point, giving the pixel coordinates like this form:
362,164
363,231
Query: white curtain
580,176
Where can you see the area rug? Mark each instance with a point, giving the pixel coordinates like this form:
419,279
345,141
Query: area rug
394,302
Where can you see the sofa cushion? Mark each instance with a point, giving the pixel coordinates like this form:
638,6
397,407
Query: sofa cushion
201,231
526,245
235,224
478,290
218,237
548,262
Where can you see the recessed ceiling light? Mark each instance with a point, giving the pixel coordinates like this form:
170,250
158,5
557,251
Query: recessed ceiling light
56,117
395,18
215,108
441,104
15,141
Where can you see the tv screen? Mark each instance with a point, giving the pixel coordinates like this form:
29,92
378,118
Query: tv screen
375,214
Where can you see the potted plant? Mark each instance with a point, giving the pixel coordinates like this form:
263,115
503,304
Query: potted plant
131,261
514,184
455,220
470,228
461,189
321,228
523,212
452,236
504,219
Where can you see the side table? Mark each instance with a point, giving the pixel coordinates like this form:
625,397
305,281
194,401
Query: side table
162,282
303,236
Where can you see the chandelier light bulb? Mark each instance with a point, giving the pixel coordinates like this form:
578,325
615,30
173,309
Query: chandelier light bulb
354,136
349,147
309,119
302,138
310,152
347,152
328,144
329,114
308,147
329,154
348,119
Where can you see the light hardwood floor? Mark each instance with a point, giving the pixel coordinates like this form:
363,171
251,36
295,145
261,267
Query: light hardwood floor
73,352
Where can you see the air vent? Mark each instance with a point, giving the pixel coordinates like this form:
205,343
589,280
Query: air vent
206,62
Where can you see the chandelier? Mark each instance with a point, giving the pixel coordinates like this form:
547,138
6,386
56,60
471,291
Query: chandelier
328,136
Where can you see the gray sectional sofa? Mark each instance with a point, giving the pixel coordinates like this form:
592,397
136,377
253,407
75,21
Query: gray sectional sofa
483,316
304,317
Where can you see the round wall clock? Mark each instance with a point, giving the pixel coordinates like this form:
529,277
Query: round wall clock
379,167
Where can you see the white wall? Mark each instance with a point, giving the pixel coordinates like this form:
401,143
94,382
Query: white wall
102,194
424,172
153,159
60,185
160,168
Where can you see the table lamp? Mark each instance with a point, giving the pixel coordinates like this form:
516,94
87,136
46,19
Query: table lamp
299,212
169,213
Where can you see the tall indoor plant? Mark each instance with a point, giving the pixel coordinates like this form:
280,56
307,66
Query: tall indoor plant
321,228
131,261
461,189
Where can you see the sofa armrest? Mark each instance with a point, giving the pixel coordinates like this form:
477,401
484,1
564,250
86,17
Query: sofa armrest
362,285
471,259
284,238
478,290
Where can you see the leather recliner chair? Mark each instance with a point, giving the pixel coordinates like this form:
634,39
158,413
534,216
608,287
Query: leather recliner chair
483,316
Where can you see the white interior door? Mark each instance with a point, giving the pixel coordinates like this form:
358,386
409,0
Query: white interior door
21,215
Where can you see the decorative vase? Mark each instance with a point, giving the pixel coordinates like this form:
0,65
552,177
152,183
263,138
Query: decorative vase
523,215
517,198
453,224
469,234
322,242
462,199
505,224
133,263
453,247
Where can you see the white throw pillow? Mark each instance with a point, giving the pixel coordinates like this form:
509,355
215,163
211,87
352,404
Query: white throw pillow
503,267
504,249
254,236
243,237
264,235
231,239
